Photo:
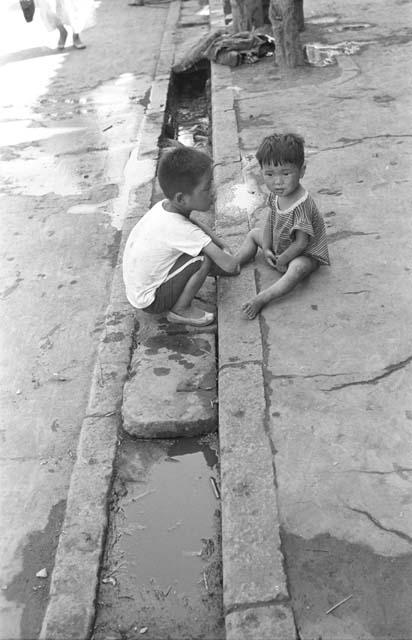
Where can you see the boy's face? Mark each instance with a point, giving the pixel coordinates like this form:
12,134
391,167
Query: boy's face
201,197
282,179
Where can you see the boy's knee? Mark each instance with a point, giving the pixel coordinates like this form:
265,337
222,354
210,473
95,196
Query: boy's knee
303,265
206,264
256,236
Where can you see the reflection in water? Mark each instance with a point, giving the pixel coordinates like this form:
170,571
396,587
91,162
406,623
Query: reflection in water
163,546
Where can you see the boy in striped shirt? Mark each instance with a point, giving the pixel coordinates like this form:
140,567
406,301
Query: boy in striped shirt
293,239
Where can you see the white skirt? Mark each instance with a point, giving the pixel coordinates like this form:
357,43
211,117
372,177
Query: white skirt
77,14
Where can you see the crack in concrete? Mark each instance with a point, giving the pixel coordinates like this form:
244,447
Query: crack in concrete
264,331
287,376
391,368
225,163
350,142
340,235
238,365
379,525
398,471
280,599
355,293
267,377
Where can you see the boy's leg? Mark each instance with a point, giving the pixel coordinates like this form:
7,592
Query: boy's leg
250,246
176,294
183,305
298,269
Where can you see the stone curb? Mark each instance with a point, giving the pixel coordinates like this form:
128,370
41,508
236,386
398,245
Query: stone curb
71,608
255,593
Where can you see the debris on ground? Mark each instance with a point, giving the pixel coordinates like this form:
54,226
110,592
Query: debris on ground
226,48
338,604
322,55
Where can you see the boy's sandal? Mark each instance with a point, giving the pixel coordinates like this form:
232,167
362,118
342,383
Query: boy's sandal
206,318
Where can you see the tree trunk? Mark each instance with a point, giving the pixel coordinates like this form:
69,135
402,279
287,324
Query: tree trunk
289,51
246,14
299,15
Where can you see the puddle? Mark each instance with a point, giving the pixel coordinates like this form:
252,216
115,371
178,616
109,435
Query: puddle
323,20
163,546
172,517
187,109
325,570
322,55
14,133
358,26
85,209
57,158
26,588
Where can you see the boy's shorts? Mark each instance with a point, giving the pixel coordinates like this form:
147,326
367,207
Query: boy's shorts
170,291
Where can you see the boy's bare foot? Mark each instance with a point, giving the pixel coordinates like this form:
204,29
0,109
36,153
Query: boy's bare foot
252,308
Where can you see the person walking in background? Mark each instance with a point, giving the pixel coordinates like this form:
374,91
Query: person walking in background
59,14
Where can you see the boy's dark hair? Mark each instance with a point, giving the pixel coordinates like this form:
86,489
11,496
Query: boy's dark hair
282,148
181,169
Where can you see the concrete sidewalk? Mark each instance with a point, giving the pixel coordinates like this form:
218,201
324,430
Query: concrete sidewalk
314,396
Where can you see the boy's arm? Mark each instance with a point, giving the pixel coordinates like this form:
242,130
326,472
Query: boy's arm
209,232
222,259
267,233
295,249
267,241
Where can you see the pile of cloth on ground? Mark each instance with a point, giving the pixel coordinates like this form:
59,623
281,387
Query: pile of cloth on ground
227,48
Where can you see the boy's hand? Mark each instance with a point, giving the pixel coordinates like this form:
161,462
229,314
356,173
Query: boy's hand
270,257
281,264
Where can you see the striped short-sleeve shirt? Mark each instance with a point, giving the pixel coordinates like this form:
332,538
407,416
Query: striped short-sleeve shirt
304,216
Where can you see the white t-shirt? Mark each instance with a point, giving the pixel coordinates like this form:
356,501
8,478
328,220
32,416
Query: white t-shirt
152,248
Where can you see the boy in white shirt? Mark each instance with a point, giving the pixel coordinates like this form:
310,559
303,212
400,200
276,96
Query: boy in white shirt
168,255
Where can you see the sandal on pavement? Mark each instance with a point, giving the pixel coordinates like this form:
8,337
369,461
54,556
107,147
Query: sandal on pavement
206,318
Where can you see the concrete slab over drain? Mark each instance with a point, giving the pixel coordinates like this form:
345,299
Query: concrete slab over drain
172,387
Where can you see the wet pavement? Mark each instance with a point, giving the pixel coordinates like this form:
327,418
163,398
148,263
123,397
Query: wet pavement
69,121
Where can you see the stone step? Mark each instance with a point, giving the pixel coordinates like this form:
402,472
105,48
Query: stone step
171,390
